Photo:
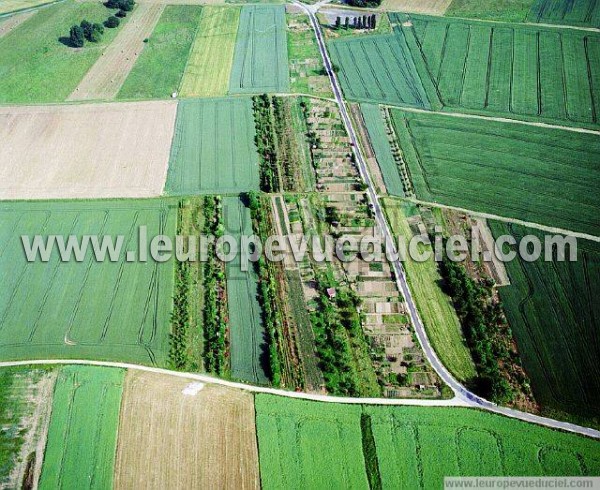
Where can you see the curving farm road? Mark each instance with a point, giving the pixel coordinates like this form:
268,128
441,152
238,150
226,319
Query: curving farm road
462,394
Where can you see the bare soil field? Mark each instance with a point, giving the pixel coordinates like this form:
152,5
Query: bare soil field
14,21
107,75
432,7
85,151
177,434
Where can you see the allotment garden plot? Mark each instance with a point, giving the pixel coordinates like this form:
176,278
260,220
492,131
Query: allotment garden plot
540,175
260,62
101,310
505,69
553,311
213,148
85,151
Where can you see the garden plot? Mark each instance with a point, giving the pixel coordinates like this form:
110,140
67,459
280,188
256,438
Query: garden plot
213,148
105,78
260,62
177,433
85,151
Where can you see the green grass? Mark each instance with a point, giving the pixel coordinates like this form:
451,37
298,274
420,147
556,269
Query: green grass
114,311
260,62
36,67
381,146
158,71
213,148
208,69
303,444
379,68
553,311
16,409
534,174
8,6
247,335
418,446
583,13
82,436
524,72
505,10
435,307
415,446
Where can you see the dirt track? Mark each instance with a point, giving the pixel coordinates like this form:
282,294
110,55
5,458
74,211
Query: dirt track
168,439
14,21
85,151
106,77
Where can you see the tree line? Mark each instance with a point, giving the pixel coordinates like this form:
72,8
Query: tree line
92,32
360,22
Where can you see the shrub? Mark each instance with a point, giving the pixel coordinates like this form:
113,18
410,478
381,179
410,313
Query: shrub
112,22
76,37
121,14
87,29
96,34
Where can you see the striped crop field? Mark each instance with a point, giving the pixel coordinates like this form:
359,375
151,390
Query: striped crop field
247,335
553,310
405,447
511,70
583,13
116,311
209,65
260,62
82,436
381,146
213,148
159,69
539,175
379,69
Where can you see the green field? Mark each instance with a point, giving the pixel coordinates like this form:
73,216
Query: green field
260,62
82,437
158,71
35,66
303,444
213,148
415,446
553,310
247,335
540,175
7,6
435,307
381,146
209,66
509,70
505,10
584,13
379,69
101,310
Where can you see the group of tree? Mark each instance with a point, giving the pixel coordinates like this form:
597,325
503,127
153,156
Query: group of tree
364,3
86,31
485,329
360,22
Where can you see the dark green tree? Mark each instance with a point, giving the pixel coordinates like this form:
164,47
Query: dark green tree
338,22
112,22
76,37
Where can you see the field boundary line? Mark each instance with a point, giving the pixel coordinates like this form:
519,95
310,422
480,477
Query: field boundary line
453,402
462,115
504,219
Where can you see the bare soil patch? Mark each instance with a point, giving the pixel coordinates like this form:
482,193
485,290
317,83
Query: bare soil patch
107,75
14,21
433,7
174,434
85,151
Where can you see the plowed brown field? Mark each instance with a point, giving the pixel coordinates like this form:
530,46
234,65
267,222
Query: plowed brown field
169,439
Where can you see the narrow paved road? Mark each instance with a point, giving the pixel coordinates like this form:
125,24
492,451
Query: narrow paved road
460,391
